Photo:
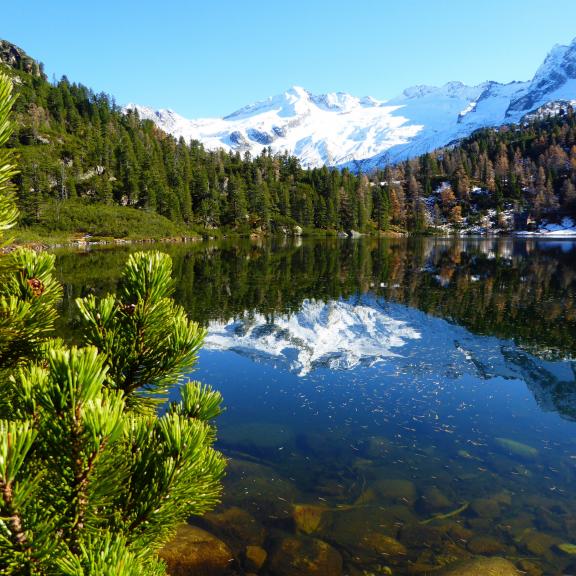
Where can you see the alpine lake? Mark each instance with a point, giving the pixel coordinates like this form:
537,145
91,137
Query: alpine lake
393,406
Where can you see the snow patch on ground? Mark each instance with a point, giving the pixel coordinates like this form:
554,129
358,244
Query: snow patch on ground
565,229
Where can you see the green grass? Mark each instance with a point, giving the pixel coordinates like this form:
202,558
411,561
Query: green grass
75,220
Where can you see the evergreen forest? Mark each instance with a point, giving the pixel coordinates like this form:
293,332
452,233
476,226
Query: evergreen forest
90,168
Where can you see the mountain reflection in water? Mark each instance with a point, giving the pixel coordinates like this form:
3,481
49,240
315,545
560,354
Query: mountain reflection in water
408,404
342,335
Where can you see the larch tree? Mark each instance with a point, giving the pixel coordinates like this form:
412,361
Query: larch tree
93,478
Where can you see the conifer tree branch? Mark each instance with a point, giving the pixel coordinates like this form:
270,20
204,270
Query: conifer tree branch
66,454
19,536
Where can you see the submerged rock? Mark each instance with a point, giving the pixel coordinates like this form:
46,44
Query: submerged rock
304,557
257,436
309,518
377,447
433,500
517,448
254,558
195,552
436,558
349,526
567,548
395,489
259,489
539,543
382,545
486,546
419,536
236,526
486,507
530,568
481,567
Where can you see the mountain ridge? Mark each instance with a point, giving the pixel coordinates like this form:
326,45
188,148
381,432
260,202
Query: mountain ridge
340,129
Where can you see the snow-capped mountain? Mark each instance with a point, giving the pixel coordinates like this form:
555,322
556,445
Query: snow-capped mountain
339,129
367,331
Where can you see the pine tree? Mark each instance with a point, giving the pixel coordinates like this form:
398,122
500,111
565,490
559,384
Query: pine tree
92,479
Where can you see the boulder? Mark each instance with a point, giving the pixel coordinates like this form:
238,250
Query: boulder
195,552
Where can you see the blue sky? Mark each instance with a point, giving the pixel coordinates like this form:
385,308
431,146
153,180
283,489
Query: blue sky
210,58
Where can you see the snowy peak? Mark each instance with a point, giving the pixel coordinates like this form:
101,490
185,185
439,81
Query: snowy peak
560,63
554,80
449,90
339,129
297,100
293,101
